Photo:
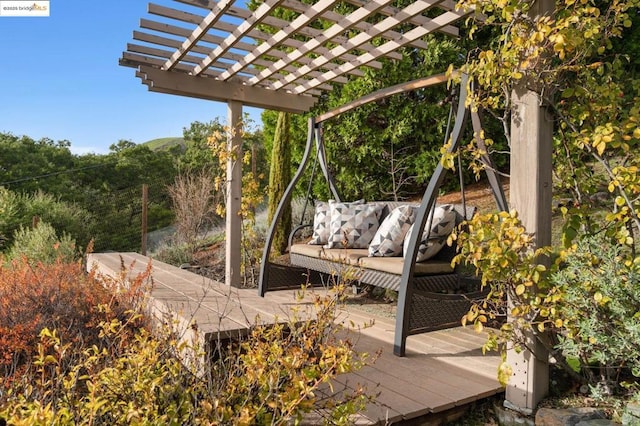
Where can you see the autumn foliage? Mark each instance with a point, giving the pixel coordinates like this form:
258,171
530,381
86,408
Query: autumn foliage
59,296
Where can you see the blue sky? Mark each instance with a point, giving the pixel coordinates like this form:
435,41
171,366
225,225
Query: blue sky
60,78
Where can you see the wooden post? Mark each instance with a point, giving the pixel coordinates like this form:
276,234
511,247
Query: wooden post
234,195
145,203
531,191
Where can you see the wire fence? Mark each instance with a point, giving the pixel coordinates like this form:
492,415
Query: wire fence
121,221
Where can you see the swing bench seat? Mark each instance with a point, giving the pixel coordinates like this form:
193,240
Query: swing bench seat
441,296
431,295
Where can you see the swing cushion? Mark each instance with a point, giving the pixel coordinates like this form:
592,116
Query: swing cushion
353,225
442,224
322,220
389,238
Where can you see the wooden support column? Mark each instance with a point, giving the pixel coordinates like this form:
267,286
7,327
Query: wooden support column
233,233
531,190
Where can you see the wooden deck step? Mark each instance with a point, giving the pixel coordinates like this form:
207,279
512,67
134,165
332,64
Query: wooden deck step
443,370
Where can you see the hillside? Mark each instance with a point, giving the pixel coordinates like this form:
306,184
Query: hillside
164,143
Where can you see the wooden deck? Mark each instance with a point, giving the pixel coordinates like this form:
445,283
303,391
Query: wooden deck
443,370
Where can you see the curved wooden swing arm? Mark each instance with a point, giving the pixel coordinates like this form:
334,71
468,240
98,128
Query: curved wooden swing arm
386,92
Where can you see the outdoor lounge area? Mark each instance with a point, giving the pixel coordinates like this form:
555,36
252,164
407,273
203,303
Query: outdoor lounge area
326,215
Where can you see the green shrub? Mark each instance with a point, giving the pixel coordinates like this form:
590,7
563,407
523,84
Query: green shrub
600,310
584,307
19,210
175,254
42,244
64,217
9,214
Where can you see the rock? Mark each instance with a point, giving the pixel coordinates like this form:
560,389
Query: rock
567,416
597,422
631,414
509,417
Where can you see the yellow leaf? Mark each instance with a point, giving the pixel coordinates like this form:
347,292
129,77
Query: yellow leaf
558,323
520,289
504,373
541,327
478,327
471,315
597,297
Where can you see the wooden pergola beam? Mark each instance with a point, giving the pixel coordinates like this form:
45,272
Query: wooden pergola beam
208,88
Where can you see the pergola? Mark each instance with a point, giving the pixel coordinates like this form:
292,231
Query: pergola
221,51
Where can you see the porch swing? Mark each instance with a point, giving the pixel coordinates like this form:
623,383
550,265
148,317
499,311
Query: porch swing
431,295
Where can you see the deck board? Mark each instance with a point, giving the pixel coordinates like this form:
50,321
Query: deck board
442,370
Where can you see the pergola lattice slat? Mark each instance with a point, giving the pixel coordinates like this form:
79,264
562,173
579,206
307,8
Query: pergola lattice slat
308,16
183,32
282,57
363,59
198,33
242,30
328,35
295,6
356,41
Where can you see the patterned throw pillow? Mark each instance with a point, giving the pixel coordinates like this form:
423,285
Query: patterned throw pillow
322,220
444,220
390,236
353,225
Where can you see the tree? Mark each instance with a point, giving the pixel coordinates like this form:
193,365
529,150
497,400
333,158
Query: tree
279,178
27,164
198,155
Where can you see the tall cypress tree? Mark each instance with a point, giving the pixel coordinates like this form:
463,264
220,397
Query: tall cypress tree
279,177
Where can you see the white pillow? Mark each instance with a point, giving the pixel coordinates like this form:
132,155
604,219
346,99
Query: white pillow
322,220
442,224
389,238
353,225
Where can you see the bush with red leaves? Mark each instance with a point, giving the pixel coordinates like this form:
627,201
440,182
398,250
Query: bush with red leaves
62,297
